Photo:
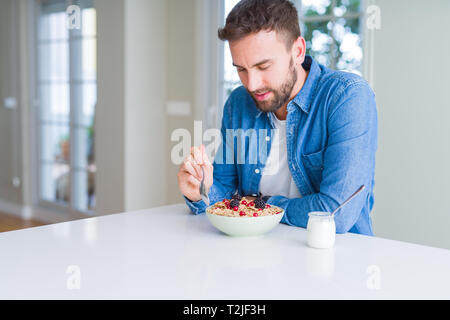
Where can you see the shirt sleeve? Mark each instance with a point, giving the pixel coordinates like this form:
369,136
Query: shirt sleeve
349,161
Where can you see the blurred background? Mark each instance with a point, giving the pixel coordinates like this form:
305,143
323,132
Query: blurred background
92,90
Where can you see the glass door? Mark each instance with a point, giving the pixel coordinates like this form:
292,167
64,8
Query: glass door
67,89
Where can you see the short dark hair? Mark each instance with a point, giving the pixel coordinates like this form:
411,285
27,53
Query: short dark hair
252,16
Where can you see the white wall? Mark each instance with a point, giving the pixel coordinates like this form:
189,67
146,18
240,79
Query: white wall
180,79
192,72
15,124
9,118
130,119
145,98
110,113
412,86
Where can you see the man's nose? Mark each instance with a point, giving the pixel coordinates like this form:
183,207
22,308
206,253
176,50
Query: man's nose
254,82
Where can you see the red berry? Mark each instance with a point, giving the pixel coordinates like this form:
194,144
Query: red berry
236,208
242,213
244,202
251,204
260,209
267,206
255,214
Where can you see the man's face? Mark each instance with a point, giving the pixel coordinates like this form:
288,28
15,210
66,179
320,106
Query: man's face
266,69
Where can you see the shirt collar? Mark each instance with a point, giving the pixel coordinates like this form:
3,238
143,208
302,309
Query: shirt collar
304,97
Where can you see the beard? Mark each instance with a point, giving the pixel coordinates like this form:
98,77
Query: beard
281,95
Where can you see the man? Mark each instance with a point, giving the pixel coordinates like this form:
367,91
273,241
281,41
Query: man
325,141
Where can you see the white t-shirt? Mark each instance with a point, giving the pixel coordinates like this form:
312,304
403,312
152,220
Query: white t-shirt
276,178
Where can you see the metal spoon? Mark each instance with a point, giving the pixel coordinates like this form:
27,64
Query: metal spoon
346,201
203,193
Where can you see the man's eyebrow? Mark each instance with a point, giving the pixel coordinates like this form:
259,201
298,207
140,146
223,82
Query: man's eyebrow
256,64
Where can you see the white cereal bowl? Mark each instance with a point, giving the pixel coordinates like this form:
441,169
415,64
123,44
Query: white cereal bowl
244,226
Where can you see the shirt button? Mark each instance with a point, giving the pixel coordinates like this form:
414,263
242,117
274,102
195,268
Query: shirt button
257,171
267,138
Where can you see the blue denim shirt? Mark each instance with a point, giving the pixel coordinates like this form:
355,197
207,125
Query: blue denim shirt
331,134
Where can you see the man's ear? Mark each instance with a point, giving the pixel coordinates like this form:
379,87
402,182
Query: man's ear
299,50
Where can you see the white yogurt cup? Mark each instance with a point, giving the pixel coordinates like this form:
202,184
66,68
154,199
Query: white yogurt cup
321,230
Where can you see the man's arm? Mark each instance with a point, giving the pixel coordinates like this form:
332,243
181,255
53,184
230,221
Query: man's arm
225,180
349,161
224,185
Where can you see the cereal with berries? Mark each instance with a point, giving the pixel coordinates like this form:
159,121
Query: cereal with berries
239,206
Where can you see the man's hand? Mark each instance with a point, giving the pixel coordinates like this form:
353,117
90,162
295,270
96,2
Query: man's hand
190,174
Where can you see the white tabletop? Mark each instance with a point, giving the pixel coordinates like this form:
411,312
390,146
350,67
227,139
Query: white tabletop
168,253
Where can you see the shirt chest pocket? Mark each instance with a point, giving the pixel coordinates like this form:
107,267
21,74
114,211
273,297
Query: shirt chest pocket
313,163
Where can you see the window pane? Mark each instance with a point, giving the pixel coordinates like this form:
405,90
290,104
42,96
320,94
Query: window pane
84,60
67,75
89,103
229,87
55,143
84,190
54,63
348,51
83,140
312,8
231,78
88,22
84,101
89,59
53,27
229,5
318,41
346,6
54,103
55,180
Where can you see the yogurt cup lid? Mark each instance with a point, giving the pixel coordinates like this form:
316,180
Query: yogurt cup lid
319,214
325,216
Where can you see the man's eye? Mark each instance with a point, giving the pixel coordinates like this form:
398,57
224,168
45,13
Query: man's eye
240,70
264,67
